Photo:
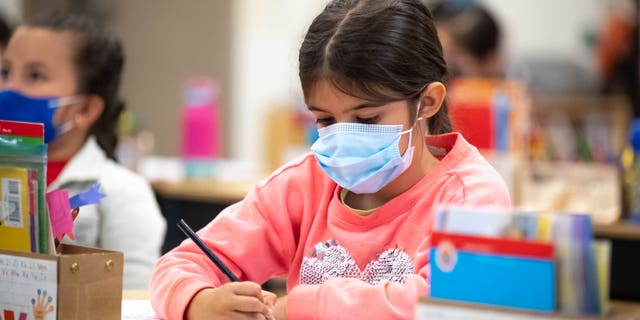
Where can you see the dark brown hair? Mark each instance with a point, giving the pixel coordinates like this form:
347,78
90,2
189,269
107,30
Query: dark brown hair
5,32
472,27
99,61
383,50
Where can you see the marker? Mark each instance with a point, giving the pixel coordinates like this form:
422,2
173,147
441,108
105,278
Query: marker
189,232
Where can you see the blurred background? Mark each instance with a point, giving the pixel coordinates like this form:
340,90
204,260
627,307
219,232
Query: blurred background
567,72
249,48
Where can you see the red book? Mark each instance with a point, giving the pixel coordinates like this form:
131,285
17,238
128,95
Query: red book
475,121
494,246
24,129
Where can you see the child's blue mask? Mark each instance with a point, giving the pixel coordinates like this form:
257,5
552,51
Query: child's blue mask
15,106
362,158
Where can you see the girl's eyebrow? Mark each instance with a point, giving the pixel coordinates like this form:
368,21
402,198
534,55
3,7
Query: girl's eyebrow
312,108
36,65
358,107
367,105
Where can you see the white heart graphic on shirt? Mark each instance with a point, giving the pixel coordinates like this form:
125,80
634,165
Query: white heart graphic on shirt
330,260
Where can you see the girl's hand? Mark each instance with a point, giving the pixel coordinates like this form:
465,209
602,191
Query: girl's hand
234,300
280,309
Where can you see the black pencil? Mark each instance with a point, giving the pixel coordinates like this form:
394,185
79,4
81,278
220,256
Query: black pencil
189,232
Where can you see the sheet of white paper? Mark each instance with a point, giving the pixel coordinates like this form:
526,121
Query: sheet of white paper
447,312
138,310
28,285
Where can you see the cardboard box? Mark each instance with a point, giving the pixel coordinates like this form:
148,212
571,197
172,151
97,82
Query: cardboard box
80,283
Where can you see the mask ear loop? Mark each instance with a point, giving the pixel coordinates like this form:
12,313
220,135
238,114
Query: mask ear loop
418,118
410,130
64,128
63,102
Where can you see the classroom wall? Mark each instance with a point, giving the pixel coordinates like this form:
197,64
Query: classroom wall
266,37
249,45
165,42
550,28
11,10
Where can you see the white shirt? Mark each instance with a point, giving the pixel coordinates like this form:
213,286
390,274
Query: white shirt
128,219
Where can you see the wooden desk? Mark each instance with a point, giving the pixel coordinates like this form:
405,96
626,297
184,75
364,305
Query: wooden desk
618,230
204,190
135,295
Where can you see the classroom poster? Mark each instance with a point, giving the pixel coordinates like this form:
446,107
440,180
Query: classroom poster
28,288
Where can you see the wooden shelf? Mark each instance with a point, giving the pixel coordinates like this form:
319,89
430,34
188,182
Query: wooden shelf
619,230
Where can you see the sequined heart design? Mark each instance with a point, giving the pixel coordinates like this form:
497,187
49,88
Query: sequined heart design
330,260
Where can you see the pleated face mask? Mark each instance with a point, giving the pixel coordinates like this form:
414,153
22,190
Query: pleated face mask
15,106
362,158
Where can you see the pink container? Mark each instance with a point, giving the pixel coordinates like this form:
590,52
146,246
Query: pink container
200,126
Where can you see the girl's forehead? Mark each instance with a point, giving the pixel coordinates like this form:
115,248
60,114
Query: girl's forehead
325,93
40,62
41,45
348,94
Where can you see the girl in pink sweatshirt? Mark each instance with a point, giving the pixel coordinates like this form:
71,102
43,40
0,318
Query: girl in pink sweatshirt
349,223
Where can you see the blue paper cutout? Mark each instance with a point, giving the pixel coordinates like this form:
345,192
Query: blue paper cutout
90,196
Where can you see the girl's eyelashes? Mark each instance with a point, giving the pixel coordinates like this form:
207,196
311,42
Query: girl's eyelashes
36,76
31,76
370,120
330,120
325,121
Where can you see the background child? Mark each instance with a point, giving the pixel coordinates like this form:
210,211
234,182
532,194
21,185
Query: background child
471,39
71,60
348,224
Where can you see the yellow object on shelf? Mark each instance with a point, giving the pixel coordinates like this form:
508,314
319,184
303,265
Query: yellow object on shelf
14,209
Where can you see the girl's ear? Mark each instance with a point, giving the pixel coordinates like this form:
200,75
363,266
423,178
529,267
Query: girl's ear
431,99
91,110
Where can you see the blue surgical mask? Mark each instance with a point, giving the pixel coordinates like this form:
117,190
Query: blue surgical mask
15,106
362,158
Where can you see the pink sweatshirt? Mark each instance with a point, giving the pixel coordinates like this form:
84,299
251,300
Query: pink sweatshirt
338,264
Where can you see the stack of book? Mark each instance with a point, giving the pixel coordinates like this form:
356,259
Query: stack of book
533,261
24,222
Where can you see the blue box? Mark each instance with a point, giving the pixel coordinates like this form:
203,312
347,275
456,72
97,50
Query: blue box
502,272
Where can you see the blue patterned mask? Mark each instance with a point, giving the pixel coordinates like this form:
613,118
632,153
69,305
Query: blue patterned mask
362,158
15,106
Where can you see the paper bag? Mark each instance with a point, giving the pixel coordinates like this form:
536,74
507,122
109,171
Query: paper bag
80,283
89,283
